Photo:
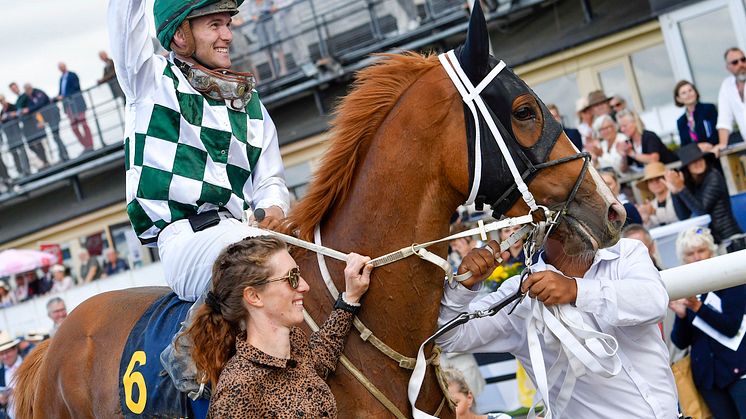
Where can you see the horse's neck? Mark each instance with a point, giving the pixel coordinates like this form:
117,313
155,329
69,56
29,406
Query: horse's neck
404,295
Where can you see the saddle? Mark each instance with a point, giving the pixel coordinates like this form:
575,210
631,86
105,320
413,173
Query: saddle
145,389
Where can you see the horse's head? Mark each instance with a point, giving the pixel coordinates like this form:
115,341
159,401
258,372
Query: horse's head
594,216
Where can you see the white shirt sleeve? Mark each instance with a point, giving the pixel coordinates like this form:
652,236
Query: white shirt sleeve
633,295
725,113
498,333
268,179
131,47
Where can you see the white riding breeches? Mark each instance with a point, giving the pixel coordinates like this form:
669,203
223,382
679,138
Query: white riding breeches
187,256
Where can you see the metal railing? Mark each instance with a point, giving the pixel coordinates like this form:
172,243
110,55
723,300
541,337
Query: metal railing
283,46
303,37
65,131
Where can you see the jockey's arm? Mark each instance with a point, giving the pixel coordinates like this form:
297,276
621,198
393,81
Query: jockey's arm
268,177
131,46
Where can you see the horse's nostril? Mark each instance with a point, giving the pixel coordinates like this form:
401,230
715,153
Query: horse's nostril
616,214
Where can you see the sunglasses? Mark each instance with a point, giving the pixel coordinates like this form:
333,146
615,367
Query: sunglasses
293,278
737,60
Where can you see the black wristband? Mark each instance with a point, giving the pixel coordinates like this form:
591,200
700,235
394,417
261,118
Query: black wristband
342,305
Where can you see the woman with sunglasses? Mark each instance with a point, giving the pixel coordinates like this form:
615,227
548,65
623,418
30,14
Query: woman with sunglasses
699,121
247,338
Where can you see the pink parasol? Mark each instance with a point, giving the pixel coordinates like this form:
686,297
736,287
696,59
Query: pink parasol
14,261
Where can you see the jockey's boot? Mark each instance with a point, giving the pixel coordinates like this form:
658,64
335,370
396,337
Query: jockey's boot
178,362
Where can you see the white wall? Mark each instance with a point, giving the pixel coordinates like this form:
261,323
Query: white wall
32,315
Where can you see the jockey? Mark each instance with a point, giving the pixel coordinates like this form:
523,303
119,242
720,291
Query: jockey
200,147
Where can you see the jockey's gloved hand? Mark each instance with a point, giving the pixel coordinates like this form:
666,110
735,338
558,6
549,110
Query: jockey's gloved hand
272,218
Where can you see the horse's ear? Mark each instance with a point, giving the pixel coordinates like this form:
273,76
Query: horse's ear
474,55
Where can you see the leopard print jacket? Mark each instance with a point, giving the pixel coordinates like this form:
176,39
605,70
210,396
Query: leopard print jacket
254,384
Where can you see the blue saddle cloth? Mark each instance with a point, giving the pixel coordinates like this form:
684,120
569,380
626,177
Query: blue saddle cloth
145,390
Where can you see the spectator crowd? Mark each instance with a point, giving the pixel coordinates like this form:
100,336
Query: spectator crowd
57,278
678,181
31,122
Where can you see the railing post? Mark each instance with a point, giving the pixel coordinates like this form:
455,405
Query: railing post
375,26
323,48
95,118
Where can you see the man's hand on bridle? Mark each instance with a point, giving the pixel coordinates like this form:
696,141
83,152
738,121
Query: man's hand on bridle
551,288
480,262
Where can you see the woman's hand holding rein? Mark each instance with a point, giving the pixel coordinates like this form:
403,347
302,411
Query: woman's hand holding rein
357,277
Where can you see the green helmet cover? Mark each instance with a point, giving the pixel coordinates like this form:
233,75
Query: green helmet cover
169,14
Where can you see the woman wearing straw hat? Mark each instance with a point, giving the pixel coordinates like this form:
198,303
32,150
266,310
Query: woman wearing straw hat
658,208
698,190
10,361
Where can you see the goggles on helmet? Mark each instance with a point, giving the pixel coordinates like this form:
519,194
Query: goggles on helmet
220,84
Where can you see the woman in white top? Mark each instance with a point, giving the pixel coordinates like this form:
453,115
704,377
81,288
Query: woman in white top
606,147
62,281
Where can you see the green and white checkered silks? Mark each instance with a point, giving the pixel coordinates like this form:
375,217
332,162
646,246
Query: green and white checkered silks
192,151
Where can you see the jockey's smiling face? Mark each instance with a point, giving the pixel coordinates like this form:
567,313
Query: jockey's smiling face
212,37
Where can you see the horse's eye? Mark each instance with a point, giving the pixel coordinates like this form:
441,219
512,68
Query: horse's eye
524,113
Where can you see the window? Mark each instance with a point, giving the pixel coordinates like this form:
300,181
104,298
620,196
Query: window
696,39
297,177
126,244
706,37
614,83
654,76
563,92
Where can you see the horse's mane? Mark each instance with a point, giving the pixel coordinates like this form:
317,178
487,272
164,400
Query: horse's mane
357,117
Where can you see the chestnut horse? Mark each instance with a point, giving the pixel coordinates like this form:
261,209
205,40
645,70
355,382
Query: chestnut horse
398,165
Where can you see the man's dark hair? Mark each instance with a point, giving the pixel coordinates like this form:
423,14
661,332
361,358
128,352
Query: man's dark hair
12,84
681,84
729,50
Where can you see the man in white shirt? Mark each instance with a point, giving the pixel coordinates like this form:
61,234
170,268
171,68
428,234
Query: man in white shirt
731,107
616,292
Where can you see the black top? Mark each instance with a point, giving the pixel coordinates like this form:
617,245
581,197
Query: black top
714,365
651,143
709,197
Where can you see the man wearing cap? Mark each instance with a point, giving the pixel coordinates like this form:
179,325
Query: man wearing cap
598,104
200,147
10,362
731,105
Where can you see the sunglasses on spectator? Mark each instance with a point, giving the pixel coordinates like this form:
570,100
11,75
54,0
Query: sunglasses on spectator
737,60
293,278
616,105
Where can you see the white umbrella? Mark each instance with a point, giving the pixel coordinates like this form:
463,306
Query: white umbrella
14,261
